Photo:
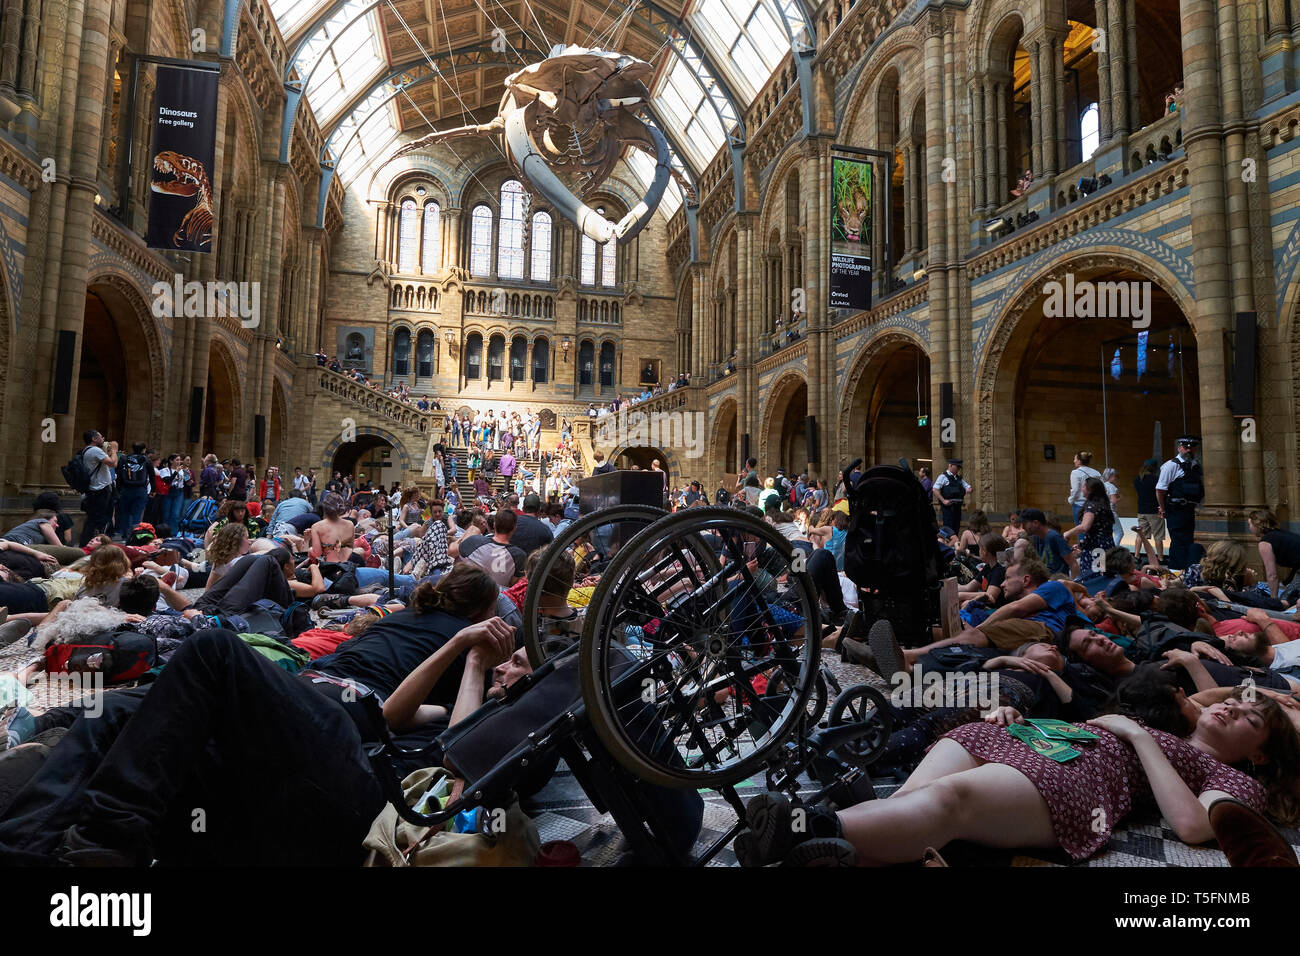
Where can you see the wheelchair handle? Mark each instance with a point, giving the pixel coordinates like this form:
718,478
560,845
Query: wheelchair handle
848,470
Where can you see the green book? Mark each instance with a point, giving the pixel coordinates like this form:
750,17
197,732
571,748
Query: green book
1061,730
1056,750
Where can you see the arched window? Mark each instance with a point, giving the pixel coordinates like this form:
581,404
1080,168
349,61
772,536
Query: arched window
480,241
407,229
541,360
1090,130
474,356
432,238
518,359
607,365
587,268
586,363
402,352
496,357
540,269
424,354
608,259
510,231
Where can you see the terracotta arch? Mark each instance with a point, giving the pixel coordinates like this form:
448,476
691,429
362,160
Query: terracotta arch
223,418
869,359
779,395
128,305
1005,341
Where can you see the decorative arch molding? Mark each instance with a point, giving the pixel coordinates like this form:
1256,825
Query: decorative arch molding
885,342
1107,248
385,179
991,367
111,273
778,396
327,456
671,461
231,376
1288,288
728,406
787,161
902,30
895,52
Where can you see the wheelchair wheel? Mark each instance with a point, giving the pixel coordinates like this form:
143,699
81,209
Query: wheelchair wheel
591,543
862,703
704,602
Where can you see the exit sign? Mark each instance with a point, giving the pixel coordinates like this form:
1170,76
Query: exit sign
922,420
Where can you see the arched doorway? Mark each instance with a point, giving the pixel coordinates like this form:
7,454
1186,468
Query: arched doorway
221,412
724,447
371,455
886,412
115,385
785,438
1063,383
277,449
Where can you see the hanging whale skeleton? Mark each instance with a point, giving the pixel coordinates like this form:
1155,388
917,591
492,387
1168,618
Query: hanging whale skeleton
575,111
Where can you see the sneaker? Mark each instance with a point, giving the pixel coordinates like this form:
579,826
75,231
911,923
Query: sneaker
856,652
14,630
889,654
774,831
823,852
329,602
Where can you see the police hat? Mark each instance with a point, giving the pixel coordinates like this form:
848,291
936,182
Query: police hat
1188,440
955,461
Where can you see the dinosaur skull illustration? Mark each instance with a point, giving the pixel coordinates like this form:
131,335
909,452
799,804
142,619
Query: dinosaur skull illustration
574,111
178,175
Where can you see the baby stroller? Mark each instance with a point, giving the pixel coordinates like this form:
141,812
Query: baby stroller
891,551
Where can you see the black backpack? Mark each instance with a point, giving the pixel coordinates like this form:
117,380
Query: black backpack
76,474
134,471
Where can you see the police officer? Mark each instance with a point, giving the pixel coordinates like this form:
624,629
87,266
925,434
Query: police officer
950,490
1179,489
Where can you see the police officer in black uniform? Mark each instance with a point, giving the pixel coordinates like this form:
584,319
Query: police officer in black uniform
1179,489
950,490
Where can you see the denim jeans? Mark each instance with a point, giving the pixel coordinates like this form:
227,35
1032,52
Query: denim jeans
366,577
130,508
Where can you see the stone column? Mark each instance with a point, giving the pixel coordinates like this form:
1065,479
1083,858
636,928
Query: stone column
1116,43
743,309
991,136
936,216
1211,247
1037,81
453,238
89,60
1105,123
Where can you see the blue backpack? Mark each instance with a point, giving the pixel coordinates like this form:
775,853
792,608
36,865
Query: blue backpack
199,514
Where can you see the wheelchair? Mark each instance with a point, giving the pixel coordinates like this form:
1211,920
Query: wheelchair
696,667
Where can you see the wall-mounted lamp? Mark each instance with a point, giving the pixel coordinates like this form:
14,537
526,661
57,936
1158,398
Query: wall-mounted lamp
565,345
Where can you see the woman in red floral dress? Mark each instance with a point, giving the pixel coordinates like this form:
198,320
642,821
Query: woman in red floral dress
981,784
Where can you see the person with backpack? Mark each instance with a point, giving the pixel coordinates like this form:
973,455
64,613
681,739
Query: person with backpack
135,476
1179,489
90,472
173,505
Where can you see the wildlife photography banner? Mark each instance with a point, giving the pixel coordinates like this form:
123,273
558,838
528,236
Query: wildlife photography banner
181,205
850,272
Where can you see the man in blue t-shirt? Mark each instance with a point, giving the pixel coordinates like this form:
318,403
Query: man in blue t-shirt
1036,608
1050,545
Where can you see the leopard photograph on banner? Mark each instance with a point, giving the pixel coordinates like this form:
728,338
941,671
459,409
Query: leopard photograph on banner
181,202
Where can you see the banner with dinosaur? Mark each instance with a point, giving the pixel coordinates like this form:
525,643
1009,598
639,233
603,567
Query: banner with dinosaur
184,143
851,234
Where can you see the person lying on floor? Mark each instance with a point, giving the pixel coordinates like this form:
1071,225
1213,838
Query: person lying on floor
979,783
274,761
1035,680
1035,609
